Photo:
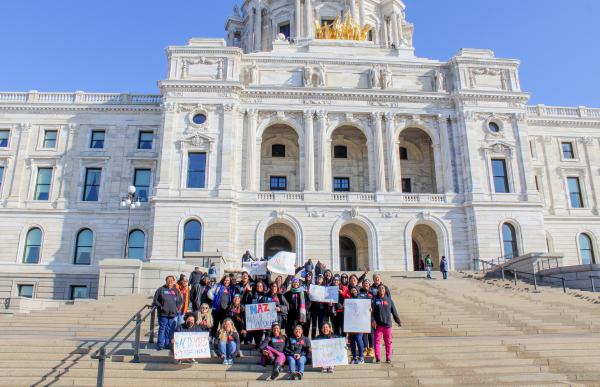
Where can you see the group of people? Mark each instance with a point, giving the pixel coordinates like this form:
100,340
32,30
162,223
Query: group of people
194,304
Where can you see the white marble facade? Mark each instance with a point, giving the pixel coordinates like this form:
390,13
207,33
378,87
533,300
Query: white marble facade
415,141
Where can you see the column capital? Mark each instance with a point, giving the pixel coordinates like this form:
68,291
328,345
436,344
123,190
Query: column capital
376,118
251,112
390,117
308,114
322,114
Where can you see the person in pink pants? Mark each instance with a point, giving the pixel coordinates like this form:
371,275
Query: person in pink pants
384,311
272,350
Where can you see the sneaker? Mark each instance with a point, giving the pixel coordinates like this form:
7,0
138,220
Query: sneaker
388,361
225,362
353,361
360,361
371,352
292,376
300,374
377,361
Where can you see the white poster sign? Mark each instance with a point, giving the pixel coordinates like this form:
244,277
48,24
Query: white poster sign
328,353
191,345
283,263
255,268
260,316
329,294
357,315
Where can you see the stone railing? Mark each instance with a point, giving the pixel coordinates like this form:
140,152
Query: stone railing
80,98
352,197
423,198
280,196
557,111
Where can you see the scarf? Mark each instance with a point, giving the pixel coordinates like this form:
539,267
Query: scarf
300,292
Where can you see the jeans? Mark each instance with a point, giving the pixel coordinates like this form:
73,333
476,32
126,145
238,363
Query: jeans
299,363
368,339
386,333
429,268
166,329
274,355
445,274
357,345
227,349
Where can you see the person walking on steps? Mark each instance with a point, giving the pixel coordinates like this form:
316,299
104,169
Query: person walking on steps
428,266
444,267
384,311
168,302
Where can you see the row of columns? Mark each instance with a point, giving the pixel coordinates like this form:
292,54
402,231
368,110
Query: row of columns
322,173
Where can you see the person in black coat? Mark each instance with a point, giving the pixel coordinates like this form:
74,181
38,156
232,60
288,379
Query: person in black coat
297,348
168,302
299,305
444,267
199,294
189,326
272,350
196,276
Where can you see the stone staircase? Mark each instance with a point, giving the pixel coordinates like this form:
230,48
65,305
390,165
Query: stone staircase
461,332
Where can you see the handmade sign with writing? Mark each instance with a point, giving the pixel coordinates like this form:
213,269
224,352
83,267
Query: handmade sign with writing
283,263
357,315
255,268
329,294
328,353
260,316
191,345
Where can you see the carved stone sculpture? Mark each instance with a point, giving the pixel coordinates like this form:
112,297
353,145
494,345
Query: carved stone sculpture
439,81
307,74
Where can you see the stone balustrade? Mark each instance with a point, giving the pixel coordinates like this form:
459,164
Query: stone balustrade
80,98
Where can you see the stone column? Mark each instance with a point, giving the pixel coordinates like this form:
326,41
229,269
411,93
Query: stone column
227,154
324,154
258,29
400,29
251,116
297,26
394,38
378,149
353,10
393,174
446,154
309,151
308,12
361,12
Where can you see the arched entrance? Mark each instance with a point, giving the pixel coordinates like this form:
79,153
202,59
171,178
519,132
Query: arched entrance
349,160
354,248
417,163
426,240
280,159
279,237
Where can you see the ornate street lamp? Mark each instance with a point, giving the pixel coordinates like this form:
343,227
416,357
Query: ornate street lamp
131,201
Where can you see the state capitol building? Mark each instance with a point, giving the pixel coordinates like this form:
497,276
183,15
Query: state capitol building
311,128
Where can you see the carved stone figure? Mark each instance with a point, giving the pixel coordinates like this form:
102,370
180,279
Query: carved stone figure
386,78
320,73
374,77
307,74
236,10
439,81
253,74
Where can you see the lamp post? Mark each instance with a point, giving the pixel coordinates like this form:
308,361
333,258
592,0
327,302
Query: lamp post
131,201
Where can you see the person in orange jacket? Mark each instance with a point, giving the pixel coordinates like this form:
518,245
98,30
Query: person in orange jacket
184,289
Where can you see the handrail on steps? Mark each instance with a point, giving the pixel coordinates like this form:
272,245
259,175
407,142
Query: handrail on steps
101,355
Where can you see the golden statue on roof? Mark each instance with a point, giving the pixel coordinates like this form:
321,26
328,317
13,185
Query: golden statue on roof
342,30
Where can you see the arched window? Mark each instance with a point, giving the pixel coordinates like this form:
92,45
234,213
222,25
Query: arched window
278,150
136,244
33,246
586,249
83,247
509,241
192,236
340,152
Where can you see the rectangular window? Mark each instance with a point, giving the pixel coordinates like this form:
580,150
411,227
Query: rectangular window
196,170
79,292
97,139
575,192
4,135
285,29
1,177
25,291
91,190
50,139
141,181
278,183
500,176
567,150
403,153
341,184
42,185
406,185
145,140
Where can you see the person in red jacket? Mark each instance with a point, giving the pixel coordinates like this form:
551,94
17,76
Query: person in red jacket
337,319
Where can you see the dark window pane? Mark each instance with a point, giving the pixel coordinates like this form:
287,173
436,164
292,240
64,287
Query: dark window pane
83,247
278,150
43,182
199,119
285,29
403,153
196,170
192,237
50,139
500,176
4,134
33,244
141,182
341,184
509,240
91,191
406,185
145,140
586,250
278,183
340,152
136,244
97,139
567,149
494,127
79,292
575,192
25,291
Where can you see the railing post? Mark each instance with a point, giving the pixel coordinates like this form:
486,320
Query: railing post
138,336
516,278
534,281
564,284
101,361
593,285
503,276
152,323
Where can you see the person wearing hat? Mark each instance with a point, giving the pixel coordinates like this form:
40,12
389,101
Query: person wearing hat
298,307
318,311
188,326
272,350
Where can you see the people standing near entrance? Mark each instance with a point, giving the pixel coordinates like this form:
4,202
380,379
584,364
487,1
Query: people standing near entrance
428,266
222,296
272,350
384,311
227,343
167,301
297,349
298,304
184,289
444,267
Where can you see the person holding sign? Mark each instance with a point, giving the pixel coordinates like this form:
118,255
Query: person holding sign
297,348
189,326
318,311
326,334
365,293
357,345
227,343
383,312
272,350
338,318
237,313
256,296
299,304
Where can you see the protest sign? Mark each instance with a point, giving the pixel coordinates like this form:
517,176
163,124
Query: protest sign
329,353
260,316
283,263
329,294
357,315
255,268
191,345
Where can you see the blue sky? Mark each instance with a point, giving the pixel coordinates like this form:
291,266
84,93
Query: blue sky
118,45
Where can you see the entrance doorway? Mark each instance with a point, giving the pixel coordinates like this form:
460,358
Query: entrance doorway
276,244
425,243
348,258
416,256
279,237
